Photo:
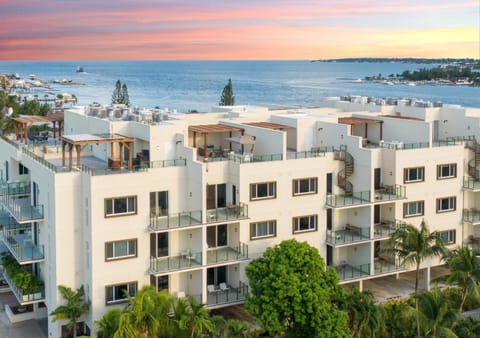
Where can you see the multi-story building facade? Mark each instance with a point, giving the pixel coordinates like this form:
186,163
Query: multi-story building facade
184,201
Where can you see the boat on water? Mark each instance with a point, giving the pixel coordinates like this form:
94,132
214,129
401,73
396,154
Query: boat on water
80,70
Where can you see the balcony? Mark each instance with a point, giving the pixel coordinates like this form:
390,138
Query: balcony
229,296
351,234
390,193
19,188
347,272
35,296
386,265
175,220
183,261
21,210
471,216
23,249
470,183
231,212
347,200
385,229
227,254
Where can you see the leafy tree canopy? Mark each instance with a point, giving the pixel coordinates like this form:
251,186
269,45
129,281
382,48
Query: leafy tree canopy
293,293
227,98
120,94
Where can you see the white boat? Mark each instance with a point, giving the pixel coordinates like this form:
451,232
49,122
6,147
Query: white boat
80,69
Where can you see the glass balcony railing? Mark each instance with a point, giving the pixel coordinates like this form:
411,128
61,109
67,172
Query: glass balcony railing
231,212
255,158
134,169
356,198
471,183
385,229
175,220
228,295
22,248
350,234
20,209
174,263
382,266
34,296
390,193
453,141
471,216
304,154
349,272
227,254
15,188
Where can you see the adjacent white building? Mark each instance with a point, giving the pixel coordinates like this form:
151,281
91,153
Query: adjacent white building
184,201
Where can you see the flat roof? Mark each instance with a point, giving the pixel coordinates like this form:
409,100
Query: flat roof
268,125
402,117
213,128
94,138
357,120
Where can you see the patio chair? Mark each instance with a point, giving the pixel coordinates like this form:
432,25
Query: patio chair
211,288
223,287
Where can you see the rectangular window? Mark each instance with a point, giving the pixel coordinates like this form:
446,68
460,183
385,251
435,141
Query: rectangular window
303,186
263,229
304,223
119,206
121,249
448,237
263,190
217,236
446,171
22,170
446,204
413,175
119,293
412,209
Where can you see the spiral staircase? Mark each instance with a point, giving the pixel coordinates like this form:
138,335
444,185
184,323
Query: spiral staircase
344,174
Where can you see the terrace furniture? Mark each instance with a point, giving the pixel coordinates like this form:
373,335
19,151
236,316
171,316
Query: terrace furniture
211,288
223,287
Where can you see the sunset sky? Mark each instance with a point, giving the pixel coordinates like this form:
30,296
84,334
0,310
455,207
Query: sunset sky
236,30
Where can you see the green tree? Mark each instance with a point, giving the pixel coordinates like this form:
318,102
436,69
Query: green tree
436,313
366,319
192,318
399,319
108,325
467,328
293,293
227,98
464,266
75,307
413,245
120,94
146,315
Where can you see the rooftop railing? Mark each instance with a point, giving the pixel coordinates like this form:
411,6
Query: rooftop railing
44,162
229,213
175,220
454,141
403,146
228,254
346,200
134,169
174,263
304,154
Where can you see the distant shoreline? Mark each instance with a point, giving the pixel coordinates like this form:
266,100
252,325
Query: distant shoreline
405,60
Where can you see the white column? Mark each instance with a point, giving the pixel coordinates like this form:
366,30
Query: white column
426,279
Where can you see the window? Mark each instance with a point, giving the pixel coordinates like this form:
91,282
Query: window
217,235
263,190
446,204
263,229
159,203
120,292
413,175
22,170
448,237
304,223
304,186
412,209
446,171
121,249
120,206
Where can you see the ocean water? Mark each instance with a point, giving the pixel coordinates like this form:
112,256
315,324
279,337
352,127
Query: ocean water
197,85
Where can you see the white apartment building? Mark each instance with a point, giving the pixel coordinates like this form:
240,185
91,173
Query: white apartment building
185,201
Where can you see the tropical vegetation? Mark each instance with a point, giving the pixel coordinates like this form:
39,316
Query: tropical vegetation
74,308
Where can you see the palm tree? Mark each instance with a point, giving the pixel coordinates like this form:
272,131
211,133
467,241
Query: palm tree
437,313
238,328
467,328
192,317
399,316
108,325
146,315
366,319
76,307
464,268
412,246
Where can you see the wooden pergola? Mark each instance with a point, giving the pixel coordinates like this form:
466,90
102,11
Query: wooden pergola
23,123
352,121
80,141
268,125
206,129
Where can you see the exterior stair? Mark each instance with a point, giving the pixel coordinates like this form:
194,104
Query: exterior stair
344,174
